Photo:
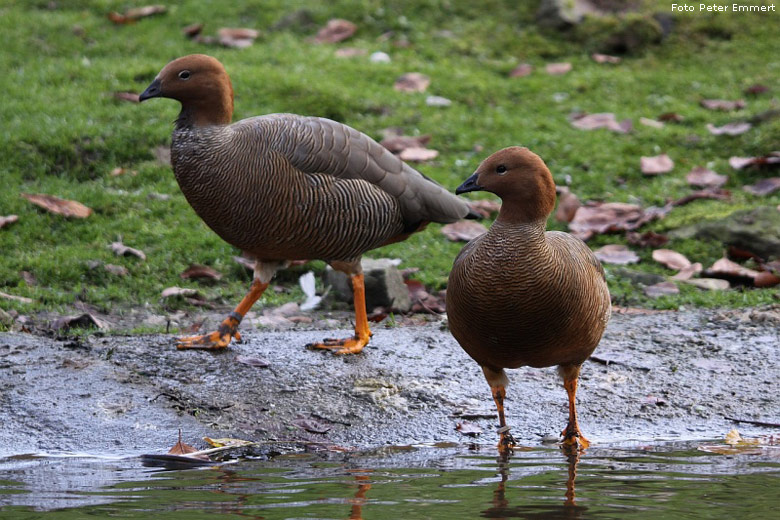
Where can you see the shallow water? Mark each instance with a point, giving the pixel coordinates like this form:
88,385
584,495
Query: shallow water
636,480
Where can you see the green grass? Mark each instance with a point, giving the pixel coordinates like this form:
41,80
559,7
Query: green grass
63,132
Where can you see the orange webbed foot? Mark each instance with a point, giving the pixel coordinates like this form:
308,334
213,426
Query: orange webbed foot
216,340
506,443
353,345
572,437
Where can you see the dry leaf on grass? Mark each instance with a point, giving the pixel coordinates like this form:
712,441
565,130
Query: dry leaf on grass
132,15
730,270
398,143
686,273
8,220
656,164
557,69
757,89
192,30
127,96
708,284
15,298
603,217
605,58
766,279
708,193
646,239
705,178
671,117
116,270
120,249
764,186
651,122
722,104
201,271
350,52
412,82
736,128
79,321
418,154
116,172
171,292
602,120
522,70
486,208
52,204
661,289
336,30
616,254
468,428
772,159
236,37
568,204
463,230
671,259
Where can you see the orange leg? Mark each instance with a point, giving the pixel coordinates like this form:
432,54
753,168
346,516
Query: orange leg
356,343
228,329
505,441
572,436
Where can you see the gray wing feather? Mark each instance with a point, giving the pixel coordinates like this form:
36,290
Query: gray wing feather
318,145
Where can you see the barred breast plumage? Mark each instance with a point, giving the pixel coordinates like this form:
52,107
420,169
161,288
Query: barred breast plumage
521,296
285,187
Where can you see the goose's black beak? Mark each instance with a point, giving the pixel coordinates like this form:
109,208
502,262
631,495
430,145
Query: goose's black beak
153,90
468,185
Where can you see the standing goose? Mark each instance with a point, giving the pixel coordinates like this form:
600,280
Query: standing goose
520,296
284,187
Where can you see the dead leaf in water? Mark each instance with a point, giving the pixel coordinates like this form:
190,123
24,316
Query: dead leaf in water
656,164
705,178
671,259
58,206
412,82
336,30
616,254
463,230
764,186
468,428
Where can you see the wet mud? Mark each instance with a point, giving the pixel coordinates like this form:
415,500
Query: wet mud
655,376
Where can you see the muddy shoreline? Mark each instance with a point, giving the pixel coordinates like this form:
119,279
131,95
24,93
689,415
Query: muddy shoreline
656,376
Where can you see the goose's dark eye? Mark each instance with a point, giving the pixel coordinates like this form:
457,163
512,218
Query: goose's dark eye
500,169
185,74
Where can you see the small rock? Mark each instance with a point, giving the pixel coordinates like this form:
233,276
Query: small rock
379,57
385,286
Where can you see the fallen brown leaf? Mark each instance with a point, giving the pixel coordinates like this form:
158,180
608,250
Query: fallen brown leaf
651,122
336,30
486,208
766,279
132,15
656,164
672,117
201,271
237,38
671,259
79,321
764,186
616,254
171,292
116,270
398,143
602,120
120,249
568,204
708,193
116,172
8,220
604,217
350,52
736,128
127,96
757,89
52,204
521,71
20,299
661,289
687,272
738,163
557,69
412,82
708,284
463,230
192,30
722,104
705,178
605,58
418,154
730,270
646,239
468,428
